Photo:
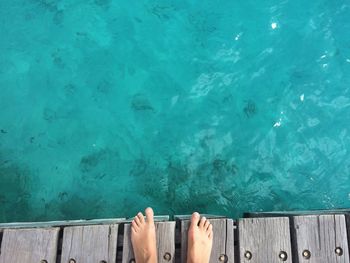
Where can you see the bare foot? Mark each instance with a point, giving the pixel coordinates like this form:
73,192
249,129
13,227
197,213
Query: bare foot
200,240
143,237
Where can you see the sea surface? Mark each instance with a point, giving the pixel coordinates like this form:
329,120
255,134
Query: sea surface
223,107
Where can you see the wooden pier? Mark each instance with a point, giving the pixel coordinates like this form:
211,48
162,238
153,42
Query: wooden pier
309,237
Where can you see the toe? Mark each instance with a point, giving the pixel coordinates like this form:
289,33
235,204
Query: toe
195,219
134,226
210,231
133,231
149,215
206,224
137,220
141,218
202,222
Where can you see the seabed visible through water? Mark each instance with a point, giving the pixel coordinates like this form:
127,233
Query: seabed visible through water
217,106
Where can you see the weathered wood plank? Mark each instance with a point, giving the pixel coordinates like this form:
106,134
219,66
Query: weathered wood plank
185,225
165,234
223,242
62,223
230,242
219,240
318,237
128,253
29,245
296,213
166,242
108,221
265,240
90,244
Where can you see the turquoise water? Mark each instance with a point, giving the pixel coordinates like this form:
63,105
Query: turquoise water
217,106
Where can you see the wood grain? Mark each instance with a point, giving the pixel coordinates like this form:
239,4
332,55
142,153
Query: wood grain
29,245
230,242
321,235
90,244
265,239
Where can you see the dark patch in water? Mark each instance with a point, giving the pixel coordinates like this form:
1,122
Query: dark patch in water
161,11
15,191
81,34
3,162
220,165
138,20
74,207
139,168
202,24
58,17
140,103
104,87
49,5
3,131
103,3
99,166
228,98
63,196
49,115
177,173
57,59
337,52
175,187
69,89
250,109
91,161
234,168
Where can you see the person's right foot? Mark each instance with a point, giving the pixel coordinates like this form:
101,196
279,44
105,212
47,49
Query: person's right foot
143,237
200,240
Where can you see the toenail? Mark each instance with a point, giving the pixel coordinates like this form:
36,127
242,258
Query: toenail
167,256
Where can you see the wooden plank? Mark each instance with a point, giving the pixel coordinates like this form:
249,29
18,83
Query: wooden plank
128,253
90,244
185,225
223,242
318,237
166,242
230,242
62,223
295,213
219,240
29,245
265,240
165,234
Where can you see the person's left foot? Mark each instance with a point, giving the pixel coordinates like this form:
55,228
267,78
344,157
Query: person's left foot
143,237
